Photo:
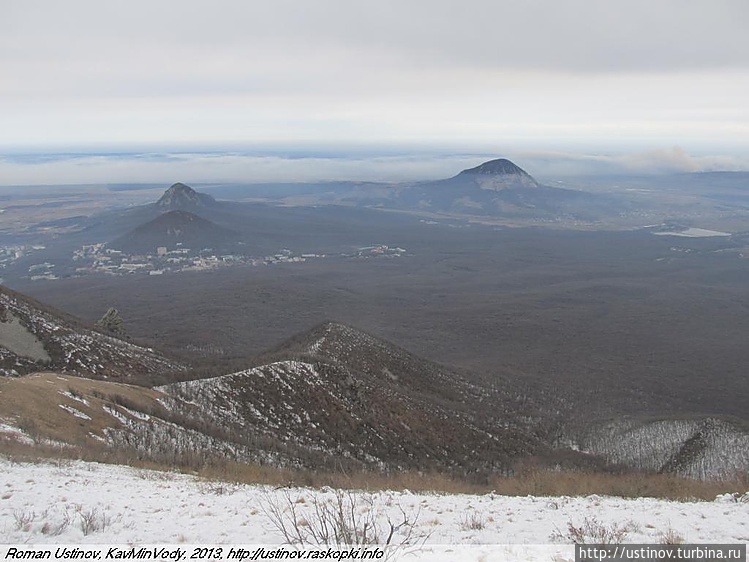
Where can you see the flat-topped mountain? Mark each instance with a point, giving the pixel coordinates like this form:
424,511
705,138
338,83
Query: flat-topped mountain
181,197
175,228
499,166
499,174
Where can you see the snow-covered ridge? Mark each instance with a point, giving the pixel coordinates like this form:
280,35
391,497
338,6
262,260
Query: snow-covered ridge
708,448
324,406
72,349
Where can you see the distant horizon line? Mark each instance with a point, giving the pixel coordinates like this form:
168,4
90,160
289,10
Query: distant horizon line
332,163
153,184
608,146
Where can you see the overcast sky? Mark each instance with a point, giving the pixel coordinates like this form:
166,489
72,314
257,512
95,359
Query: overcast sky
664,77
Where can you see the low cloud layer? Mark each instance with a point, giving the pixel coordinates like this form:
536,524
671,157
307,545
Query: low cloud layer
650,162
235,167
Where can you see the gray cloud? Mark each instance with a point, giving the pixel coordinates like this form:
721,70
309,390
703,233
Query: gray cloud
83,72
280,45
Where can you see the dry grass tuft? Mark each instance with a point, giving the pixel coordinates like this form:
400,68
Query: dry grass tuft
537,483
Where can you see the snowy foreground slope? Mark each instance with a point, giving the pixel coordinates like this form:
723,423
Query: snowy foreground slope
44,503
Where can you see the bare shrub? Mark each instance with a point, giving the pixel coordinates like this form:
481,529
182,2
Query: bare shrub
592,531
23,520
156,475
472,522
217,488
342,518
671,537
92,521
56,528
73,393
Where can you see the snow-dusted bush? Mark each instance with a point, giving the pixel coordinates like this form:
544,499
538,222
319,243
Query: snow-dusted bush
93,520
341,518
23,520
671,537
593,531
472,522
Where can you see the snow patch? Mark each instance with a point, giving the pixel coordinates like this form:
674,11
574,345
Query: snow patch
136,414
115,413
694,233
15,433
74,397
76,413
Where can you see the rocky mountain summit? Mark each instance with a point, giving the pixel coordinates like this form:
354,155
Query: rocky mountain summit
499,174
183,197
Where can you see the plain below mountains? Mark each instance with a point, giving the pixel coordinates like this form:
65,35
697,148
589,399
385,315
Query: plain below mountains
495,189
322,218
183,218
